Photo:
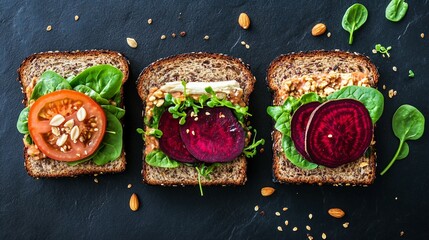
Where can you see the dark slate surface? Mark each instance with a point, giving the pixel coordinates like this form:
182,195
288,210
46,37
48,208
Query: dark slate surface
78,208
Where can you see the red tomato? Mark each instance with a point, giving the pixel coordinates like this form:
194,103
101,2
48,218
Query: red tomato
66,125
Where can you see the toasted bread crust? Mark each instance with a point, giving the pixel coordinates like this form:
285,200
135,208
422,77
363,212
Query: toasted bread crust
66,64
196,67
359,172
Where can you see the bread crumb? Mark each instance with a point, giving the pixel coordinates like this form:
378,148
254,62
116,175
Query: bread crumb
285,209
328,34
163,37
247,46
323,235
76,18
206,37
129,185
310,216
346,225
48,28
277,214
261,150
243,43
95,180
279,228
286,222
394,68
256,208
149,21
308,228
294,229
422,35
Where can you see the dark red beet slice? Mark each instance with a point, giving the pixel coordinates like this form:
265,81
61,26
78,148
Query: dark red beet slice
170,142
338,132
214,135
299,124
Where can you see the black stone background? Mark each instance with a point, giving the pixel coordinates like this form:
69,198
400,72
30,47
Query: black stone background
78,208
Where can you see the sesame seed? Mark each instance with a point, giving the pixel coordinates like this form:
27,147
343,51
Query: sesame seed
95,180
309,237
285,209
76,18
163,37
277,214
310,216
129,185
323,235
193,132
206,37
279,228
329,135
328,34
243,43
374,51
256,208
196,119
187,130
401,233
346,225
422,35
394,68
286,222
49,28
396,198
247,46
149,21
294,229
207,113
308,228
384,86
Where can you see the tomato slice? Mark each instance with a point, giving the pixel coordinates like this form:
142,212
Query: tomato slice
66,125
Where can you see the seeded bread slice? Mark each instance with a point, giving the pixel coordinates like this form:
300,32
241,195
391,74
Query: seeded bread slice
196,67
287,68
67,64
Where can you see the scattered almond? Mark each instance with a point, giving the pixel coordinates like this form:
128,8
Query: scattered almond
267,191
244,21
132,42
336,212
134,202
318,29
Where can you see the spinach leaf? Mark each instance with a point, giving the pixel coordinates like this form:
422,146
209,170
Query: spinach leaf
91,93
22,123
293,156
111,146
49,82
370,97
408,123
396,10
354,18
106,80
117,112
157,158
205,171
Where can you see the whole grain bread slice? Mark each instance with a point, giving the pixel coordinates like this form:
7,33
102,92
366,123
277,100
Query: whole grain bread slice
67,64
196,67
298,67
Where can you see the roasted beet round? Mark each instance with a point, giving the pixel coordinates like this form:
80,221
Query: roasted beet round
338,132
170,142
214,135
299,124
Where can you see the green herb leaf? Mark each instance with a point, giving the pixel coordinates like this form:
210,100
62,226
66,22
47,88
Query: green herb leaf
250,150
293,156
22,123
370,97
117,112
205,171
157,158
408,123
354,18
91,93
383,50
111,147
410,73
106,80
396,10
49,82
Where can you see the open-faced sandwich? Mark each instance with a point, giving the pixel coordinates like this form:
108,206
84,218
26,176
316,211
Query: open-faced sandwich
195,111
325,110
73,106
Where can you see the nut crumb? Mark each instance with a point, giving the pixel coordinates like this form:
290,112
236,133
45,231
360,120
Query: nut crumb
310,216
422,35
346,225
402,233
261,150
294,229
256,208
277,214
262,213
279,228
149,21
310,237
163,37
49,28
206,37
129,185
308,228
173,35
396,198
243,43
328,34
394,68
392,93
95,180
285,209
182,33
76,18
323,235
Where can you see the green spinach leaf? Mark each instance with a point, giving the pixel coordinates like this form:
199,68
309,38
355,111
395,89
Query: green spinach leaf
49,82
354,18
22,123
157,158
403,153
396,10
106,80
91,93
408,123
293,156
370,97
111,147
116,111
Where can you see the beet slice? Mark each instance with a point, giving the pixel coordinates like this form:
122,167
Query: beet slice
338,132
170,142
214,135
299,125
